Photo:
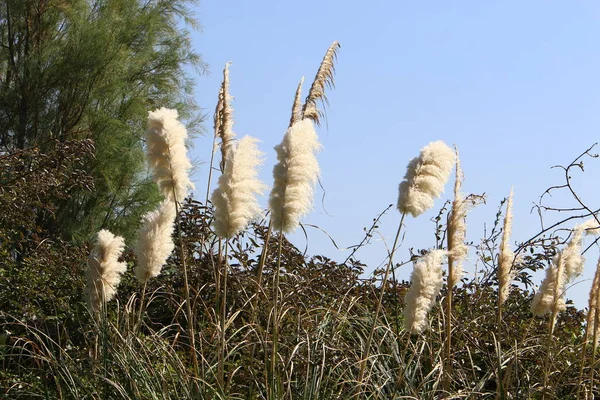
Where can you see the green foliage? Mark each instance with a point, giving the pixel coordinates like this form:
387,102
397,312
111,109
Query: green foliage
93,69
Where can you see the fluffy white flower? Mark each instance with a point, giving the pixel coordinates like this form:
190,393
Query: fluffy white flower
166,152
554,282
457,229
426,284
103,273
155,242
425,178
295,176
235,197
566,266
506,256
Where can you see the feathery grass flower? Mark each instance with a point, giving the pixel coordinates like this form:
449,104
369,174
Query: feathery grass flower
457,229
295,176
425,178
506,256
155,241
426,284
103,273
593,305
566,266
225,116
166,152
235,198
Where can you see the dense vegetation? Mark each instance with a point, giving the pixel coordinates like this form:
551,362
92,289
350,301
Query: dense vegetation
238,311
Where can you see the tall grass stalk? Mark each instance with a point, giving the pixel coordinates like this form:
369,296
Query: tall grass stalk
591,322
366,349
457,252
186,289
223,314
275,381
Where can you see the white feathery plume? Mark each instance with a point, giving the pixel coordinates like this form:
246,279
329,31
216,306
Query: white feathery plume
166,152
593,303
506,256
426,284
566,266
425,178
574,260
103,273
457,229
225,131
295,176
155,241
554,282
235,197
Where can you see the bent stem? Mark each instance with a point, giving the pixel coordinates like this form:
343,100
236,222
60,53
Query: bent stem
365,356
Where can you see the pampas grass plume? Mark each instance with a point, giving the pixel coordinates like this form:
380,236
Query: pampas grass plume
543,300
295,176
593,305
155,242
425,178
166,153
457,229
566,266
235,197
104,270
506,256
426,284
225,131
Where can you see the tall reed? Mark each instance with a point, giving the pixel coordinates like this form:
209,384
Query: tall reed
506,271
424,181
457,252
236,206
166,154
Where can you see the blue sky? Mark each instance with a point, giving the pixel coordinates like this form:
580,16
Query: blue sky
515,85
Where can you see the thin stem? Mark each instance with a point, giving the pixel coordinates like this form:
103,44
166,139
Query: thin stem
448,358
188,303
583,351
185,270
552,324
141,312
104,313
259,290
203,237
378,308
594,346
221,367
276,318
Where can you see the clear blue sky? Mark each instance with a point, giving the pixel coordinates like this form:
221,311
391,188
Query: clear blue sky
515,85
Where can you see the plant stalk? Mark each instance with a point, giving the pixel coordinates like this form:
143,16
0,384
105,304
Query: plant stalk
378,308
